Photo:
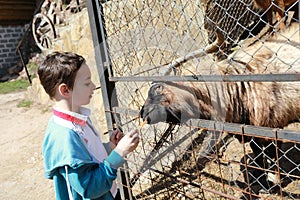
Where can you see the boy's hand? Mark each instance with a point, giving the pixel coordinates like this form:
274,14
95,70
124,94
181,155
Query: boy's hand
116,136
128,143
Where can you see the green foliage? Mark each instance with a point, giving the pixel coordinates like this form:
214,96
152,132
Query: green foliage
32,69
24,103
12,86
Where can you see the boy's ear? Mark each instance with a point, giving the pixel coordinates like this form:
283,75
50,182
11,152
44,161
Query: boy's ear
64,90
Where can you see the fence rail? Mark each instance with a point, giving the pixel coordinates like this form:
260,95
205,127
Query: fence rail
214,78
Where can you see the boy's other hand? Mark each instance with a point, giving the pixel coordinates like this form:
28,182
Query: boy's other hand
128,143
116,136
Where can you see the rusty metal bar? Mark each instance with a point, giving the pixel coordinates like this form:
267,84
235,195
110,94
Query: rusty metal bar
245,161
277,161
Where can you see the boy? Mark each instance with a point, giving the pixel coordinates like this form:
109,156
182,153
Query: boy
74,156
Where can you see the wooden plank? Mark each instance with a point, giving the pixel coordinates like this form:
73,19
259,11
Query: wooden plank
2,12
17,7
14,22
27,17
16,11
16,16
13,12
17,2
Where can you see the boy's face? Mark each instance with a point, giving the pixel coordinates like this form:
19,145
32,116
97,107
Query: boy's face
83,87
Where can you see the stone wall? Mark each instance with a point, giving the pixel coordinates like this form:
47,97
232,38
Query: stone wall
9,39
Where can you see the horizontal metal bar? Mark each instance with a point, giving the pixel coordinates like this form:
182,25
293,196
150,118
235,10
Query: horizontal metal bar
255,131
259,131
288,135
214,78
126,111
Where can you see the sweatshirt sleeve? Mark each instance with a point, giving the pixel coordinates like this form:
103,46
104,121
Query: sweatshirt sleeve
93,181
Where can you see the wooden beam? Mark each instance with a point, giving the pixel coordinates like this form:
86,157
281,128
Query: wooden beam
16,11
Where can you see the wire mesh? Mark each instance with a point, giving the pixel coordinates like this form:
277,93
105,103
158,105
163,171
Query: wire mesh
207,159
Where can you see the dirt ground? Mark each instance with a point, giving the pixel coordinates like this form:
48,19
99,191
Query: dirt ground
21,173
21,166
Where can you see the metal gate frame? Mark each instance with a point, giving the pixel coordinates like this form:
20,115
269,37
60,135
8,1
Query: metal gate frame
104,68
107,81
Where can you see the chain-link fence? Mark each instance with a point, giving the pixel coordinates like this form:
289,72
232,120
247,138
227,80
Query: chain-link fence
222,112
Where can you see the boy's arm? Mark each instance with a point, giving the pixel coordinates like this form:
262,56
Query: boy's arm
93,181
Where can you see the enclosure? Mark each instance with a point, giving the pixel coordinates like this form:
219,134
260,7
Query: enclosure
140,42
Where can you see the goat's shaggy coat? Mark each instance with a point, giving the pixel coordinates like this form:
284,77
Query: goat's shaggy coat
279,6
269,104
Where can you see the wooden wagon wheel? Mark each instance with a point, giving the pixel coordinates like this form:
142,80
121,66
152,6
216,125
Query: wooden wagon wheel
43,31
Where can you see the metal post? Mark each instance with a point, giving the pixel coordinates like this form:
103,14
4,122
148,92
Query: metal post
97,24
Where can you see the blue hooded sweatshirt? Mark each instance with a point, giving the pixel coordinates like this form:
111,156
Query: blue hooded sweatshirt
88,180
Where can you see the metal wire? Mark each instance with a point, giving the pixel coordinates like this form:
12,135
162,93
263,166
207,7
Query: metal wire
180,41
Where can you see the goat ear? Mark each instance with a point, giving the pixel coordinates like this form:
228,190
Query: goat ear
157,89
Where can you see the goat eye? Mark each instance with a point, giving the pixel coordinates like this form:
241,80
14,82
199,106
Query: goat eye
158,90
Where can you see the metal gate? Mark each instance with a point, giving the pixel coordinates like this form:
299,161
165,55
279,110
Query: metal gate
137,42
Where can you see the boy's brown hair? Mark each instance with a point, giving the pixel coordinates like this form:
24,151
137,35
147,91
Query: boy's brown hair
57,68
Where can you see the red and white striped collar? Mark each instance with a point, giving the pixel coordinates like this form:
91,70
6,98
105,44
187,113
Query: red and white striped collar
79,119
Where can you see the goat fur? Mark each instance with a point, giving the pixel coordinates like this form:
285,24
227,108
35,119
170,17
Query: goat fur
268,104
279,6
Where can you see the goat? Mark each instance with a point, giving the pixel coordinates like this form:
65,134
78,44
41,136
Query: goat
268,104
278,6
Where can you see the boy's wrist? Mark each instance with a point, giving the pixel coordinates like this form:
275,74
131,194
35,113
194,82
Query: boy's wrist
114,160
120,152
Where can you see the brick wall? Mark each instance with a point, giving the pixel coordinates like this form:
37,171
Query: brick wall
9,39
